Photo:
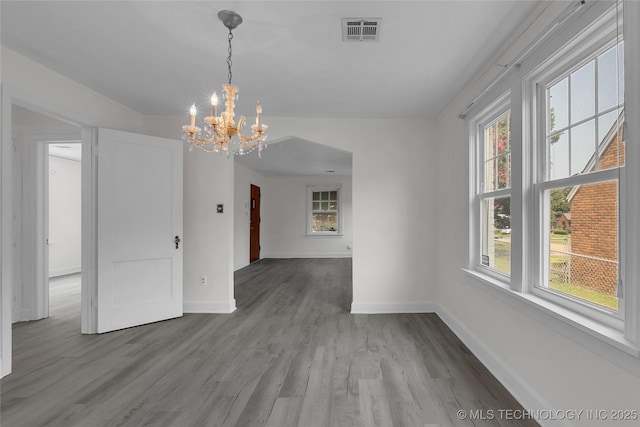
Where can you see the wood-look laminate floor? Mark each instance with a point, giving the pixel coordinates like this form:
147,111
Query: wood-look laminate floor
290,355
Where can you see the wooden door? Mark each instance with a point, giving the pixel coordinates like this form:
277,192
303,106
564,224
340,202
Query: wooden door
254,233
139,229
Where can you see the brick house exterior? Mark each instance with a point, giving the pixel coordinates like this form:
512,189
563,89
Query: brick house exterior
594,223
564,222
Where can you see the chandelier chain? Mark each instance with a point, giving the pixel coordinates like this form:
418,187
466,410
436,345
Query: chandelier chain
229,57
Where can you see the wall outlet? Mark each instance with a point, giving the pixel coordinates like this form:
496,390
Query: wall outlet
203,280
349,247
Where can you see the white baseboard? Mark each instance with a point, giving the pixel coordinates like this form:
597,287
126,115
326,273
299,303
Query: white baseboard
363,307
348,254
218,307
64,271
519,389
525,395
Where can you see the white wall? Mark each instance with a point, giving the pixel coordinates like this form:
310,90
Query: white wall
394,167
64,216
42,89
542,367
394,163
284,219
243,178
208,235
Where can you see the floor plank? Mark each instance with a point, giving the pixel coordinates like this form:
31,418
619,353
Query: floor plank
290,355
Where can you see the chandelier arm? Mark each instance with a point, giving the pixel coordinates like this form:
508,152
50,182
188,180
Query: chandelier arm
197,140
257,136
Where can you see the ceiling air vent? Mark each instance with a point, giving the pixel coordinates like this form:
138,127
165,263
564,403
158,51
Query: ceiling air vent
360,29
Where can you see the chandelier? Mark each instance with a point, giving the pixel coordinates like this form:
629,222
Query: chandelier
218,132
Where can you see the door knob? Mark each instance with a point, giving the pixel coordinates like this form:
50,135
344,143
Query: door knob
177,241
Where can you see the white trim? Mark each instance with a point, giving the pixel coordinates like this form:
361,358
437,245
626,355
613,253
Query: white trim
89,231
6,224
213,307
393,307
518,387
630,216
38,219
17,227
27,314
339,212
308,255
608,342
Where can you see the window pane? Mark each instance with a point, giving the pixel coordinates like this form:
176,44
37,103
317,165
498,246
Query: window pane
316,195
316,206
558,105
333,206
324,222
497,154
324,206
607,80
503,137
496,233
333,195
611,152
559,157
489,141
583,143
583,92
621,71
583,246
605,124
503,164
490,175
324,195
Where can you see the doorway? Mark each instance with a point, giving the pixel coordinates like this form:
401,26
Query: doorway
64,218
35,134
254,230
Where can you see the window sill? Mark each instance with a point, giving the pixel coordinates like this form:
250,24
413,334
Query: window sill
325,234
607,341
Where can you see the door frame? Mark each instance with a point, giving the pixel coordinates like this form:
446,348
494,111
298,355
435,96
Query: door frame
251,210
38,219
8,258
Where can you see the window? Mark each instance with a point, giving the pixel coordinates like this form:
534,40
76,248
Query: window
324,211
580,155
552,192
493,200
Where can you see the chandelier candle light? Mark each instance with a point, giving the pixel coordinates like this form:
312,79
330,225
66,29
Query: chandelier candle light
218,132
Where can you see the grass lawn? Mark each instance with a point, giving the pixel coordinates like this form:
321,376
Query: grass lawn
590,295
502,261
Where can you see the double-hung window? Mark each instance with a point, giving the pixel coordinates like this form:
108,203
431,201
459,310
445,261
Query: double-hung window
324,211
492,204
551,196
579,152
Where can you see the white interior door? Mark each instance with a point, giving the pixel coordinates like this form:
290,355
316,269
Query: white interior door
139,277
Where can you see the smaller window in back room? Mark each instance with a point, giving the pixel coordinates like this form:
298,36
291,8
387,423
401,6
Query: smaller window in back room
324,211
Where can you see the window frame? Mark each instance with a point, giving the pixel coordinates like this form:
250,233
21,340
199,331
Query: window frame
320,188
586,46
618,340
490,114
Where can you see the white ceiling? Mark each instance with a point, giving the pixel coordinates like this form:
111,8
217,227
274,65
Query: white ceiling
298,157
158,57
